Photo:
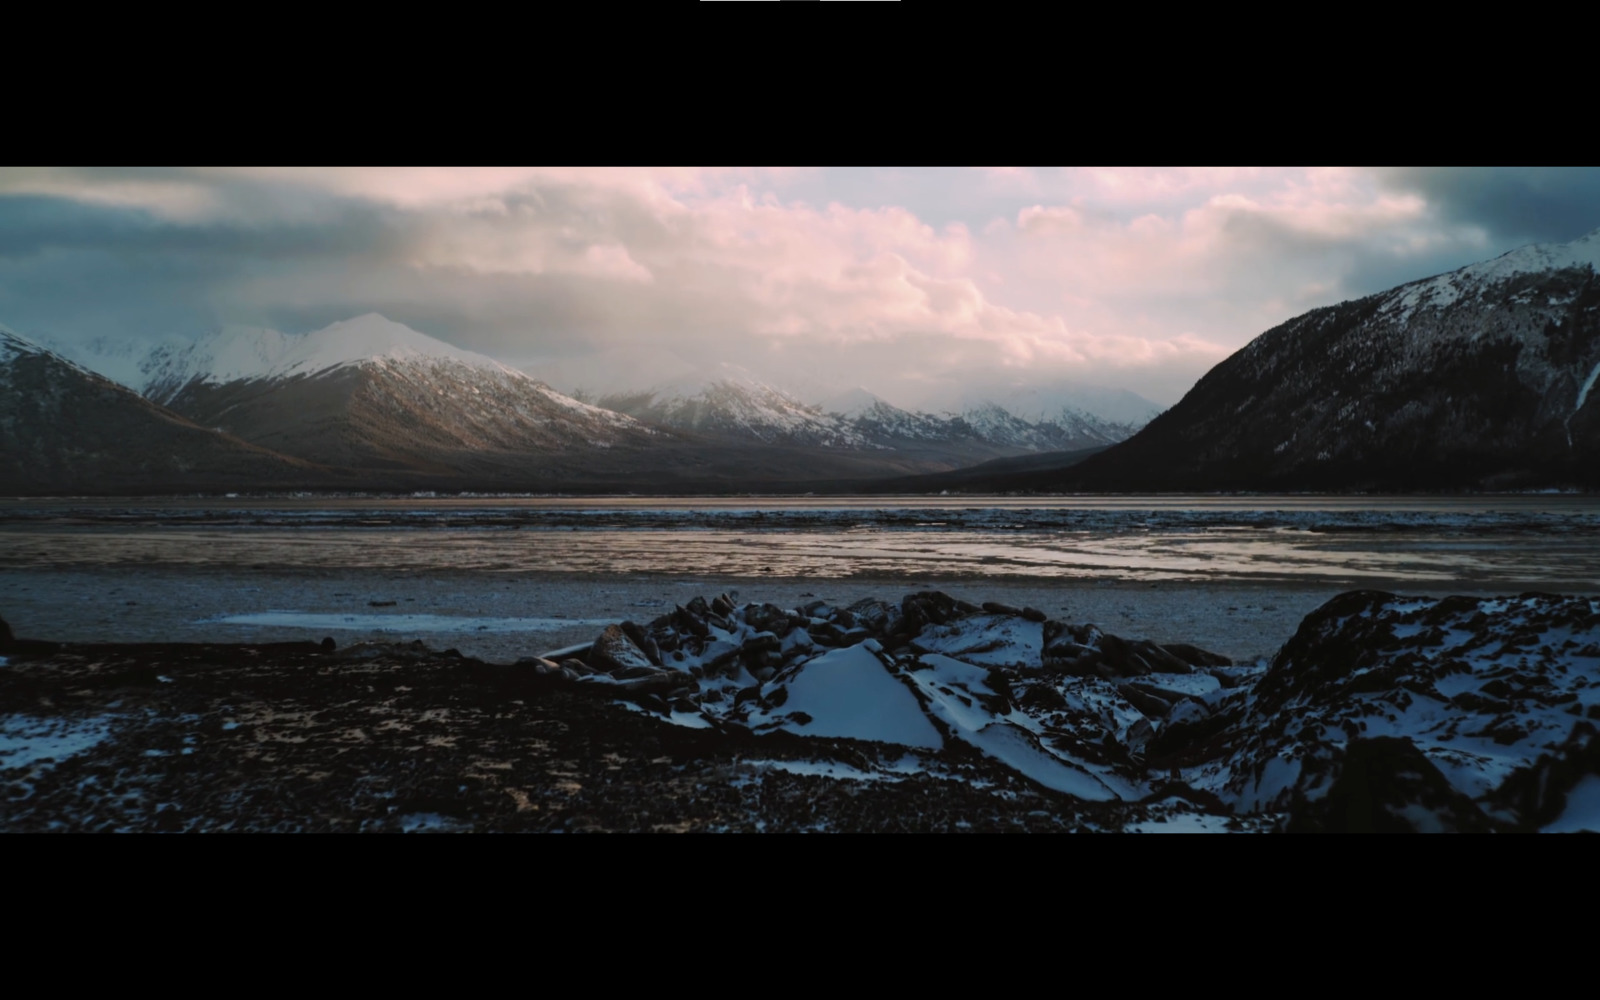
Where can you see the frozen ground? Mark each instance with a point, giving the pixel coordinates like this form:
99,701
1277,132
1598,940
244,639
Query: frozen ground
501,617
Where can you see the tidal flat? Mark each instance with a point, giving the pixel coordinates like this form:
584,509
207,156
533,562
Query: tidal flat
195,688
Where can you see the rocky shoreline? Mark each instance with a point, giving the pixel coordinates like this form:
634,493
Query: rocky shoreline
931,713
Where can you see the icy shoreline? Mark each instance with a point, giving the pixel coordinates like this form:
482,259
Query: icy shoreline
1419,714
154,604
1381,712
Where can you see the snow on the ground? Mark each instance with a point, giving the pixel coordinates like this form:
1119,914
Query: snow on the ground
1477,690
1183,822
991,640
1583,808
29,739
847,693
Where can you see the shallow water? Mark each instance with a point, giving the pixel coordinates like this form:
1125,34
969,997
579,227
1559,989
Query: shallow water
1518,542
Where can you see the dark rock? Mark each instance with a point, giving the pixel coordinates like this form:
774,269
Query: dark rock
1149,704
640,638
1121,658
660,682
1086,635
328,645
613,652
1087,663
1159,660
751,693
876,616
997,681
633,673
1537,794
1034,614
1335,640
1196,656
1231,677
691,621
766,617
1191,741
1386,785
1042,695
826,634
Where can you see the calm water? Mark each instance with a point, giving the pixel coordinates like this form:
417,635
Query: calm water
1527,541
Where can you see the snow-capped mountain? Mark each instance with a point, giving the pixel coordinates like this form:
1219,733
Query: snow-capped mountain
66,429
998,425
1048,402
372,393
878,420
1033,418
731,403
728,401
1480,378
1091,415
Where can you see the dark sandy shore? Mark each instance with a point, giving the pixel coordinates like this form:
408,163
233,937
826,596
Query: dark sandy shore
287,738
152,715
1241,620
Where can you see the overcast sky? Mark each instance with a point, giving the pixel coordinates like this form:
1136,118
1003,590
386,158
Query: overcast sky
906,281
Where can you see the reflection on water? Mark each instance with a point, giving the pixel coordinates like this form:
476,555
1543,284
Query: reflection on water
1564,556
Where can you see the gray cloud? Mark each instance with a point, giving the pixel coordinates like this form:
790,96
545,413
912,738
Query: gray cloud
553,267
1512,204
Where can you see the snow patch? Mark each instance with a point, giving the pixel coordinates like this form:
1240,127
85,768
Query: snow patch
848,693
28,739
1583,808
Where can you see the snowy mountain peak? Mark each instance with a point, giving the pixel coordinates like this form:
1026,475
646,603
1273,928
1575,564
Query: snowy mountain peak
13,344
246,353
1482,378
1470,282
1581,252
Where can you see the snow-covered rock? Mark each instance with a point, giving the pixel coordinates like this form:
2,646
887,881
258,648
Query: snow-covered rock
1381,713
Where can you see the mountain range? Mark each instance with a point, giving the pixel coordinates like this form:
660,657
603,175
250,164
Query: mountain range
1482,378
369,403
63,427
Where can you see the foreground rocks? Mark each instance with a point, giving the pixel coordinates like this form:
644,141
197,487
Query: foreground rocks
1381,714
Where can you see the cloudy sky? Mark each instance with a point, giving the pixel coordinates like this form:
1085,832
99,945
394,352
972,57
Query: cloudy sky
911,282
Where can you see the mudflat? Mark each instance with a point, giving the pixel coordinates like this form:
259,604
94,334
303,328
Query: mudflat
501,617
